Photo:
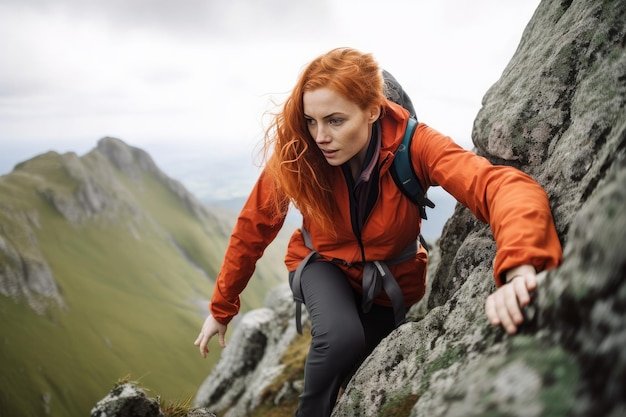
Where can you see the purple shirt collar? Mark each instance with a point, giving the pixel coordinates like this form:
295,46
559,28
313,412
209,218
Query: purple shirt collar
371,157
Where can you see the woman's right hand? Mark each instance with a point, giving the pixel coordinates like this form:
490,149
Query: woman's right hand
210,328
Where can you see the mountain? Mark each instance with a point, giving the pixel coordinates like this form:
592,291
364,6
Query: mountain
558,113
106,268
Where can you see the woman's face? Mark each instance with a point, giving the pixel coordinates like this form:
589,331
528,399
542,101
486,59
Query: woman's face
339,126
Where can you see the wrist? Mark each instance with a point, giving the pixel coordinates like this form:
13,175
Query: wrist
520,271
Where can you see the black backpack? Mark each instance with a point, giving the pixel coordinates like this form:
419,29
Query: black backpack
402,169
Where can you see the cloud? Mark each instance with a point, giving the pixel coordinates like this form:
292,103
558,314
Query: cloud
203,72
76,67
206,18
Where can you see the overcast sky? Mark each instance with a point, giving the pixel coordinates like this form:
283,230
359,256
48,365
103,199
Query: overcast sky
190,80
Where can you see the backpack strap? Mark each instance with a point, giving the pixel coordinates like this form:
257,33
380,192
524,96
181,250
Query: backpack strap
404,175
295,278
376,277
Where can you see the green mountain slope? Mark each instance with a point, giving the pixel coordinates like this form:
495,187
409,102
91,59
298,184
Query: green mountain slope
106,266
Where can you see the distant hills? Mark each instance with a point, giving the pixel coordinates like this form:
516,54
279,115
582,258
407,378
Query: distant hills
106,267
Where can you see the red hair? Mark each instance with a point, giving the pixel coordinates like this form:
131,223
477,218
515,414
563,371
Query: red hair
296,164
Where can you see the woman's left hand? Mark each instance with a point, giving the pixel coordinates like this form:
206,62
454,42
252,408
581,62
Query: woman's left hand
504,306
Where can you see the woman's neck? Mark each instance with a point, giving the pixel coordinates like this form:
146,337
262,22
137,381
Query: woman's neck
358,161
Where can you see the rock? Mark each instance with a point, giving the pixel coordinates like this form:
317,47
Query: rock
84,188
130,160
200,412
128,400
24,272
584,302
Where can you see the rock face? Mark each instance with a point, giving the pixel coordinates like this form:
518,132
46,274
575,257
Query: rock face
25,273
558,113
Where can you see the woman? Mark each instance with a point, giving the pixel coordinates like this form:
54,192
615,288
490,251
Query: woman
333,144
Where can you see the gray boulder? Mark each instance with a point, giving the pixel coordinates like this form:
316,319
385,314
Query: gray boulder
128,400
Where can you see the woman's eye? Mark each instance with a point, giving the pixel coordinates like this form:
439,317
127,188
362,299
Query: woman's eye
335,122
310,122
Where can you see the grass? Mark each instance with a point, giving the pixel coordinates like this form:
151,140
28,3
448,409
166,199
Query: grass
179,408
134,305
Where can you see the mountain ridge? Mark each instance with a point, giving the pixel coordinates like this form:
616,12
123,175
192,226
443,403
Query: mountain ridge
104,256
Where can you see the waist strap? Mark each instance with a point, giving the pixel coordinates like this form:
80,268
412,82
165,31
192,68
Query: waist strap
376,276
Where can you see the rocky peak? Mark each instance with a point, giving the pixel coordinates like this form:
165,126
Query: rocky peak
135,162
128,159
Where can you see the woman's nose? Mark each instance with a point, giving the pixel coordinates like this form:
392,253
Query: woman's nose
321,136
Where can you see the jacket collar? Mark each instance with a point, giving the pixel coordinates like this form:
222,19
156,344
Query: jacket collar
393,125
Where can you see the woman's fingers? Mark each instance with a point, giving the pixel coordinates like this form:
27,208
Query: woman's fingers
203,346
520,286
221,339
210,328
490,309
531,281
504,306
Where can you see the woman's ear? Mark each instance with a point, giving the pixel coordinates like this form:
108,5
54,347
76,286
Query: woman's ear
374,113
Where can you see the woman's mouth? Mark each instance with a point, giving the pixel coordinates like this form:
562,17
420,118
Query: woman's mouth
328,153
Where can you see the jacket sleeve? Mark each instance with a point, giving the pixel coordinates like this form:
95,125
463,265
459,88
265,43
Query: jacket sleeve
257,225
514,205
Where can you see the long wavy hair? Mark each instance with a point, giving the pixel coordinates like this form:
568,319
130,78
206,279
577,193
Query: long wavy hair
292,156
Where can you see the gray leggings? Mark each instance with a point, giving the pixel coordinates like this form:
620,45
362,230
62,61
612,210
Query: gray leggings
343,335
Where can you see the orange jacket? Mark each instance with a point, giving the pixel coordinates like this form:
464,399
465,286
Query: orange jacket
514,205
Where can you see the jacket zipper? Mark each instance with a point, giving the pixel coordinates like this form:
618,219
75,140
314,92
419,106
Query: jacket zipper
353,209
353,212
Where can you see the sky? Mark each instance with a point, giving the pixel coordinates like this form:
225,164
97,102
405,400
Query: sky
194,82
